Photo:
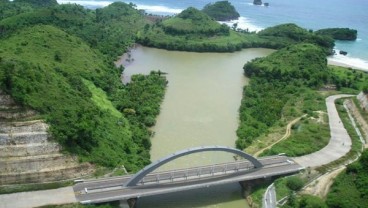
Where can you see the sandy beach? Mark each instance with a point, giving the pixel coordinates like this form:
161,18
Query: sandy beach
343,63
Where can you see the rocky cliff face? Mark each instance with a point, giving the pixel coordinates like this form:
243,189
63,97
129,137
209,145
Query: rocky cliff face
363,99
26,153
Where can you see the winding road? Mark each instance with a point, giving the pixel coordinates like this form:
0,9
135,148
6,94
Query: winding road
339,144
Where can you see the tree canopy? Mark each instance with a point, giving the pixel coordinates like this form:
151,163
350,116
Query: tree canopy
221,11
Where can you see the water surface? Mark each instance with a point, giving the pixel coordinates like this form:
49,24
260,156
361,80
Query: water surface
200,109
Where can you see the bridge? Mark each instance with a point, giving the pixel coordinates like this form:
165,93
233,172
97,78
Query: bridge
147,182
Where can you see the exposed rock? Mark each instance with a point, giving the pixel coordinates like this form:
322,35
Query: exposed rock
343,53
266,4
27,155
257,2
363,99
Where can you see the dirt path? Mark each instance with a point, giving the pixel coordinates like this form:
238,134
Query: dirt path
286,135
321,186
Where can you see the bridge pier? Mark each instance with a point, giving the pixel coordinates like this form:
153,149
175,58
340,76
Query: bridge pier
248,185
130,203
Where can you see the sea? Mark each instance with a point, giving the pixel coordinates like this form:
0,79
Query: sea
309,14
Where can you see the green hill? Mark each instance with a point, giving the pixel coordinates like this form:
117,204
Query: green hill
111,29
289,34
303,62
44,68
284,76
221,11
193,30
192,20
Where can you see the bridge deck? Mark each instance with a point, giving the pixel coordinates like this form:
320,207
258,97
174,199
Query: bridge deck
112,189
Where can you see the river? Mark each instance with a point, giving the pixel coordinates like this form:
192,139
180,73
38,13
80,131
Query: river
200,108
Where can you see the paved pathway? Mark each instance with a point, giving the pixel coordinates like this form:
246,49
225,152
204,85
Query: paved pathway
38,198
269,197
339,144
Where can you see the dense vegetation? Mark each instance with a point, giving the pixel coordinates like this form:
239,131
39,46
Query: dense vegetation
221,11
58,61
350,187
193,30
111,29
339,33
276,80
289,34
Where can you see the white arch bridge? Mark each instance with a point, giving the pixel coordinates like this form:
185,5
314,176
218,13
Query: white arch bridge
147,182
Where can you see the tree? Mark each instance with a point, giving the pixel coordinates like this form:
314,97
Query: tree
294,183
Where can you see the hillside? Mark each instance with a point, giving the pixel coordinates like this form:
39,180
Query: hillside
289,34
193,30
279,80
194,21
111,29
349,188
303,62
43,68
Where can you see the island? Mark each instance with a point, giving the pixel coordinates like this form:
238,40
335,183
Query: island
257,2
221,11
339,33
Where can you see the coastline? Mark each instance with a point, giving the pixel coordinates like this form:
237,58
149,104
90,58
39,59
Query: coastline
333,62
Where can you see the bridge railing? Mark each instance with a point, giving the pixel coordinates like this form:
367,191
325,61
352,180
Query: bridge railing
196,173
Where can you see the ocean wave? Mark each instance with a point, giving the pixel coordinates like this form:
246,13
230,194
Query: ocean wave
349,61
159,9
148,8
243,23
87,3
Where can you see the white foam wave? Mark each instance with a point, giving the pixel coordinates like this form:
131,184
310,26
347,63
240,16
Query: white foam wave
243,23
159,9
87,3
348,61
148,8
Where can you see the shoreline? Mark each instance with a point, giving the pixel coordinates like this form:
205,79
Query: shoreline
333,62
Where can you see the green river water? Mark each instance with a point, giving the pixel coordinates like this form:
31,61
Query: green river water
200,108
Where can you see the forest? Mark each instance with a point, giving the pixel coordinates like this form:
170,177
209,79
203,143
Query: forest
57,59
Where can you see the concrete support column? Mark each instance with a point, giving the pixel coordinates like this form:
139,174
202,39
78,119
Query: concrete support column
130,203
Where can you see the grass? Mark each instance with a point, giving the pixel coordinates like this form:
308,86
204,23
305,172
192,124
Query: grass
307,136
257,194
99,97
77,205
354,79
8,189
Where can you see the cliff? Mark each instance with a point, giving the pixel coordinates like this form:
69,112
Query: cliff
26,153
363,99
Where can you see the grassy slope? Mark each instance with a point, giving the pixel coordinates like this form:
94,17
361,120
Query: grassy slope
100,98
42,67
349,188
275,81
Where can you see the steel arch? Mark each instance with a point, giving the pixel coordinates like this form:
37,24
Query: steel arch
150,168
